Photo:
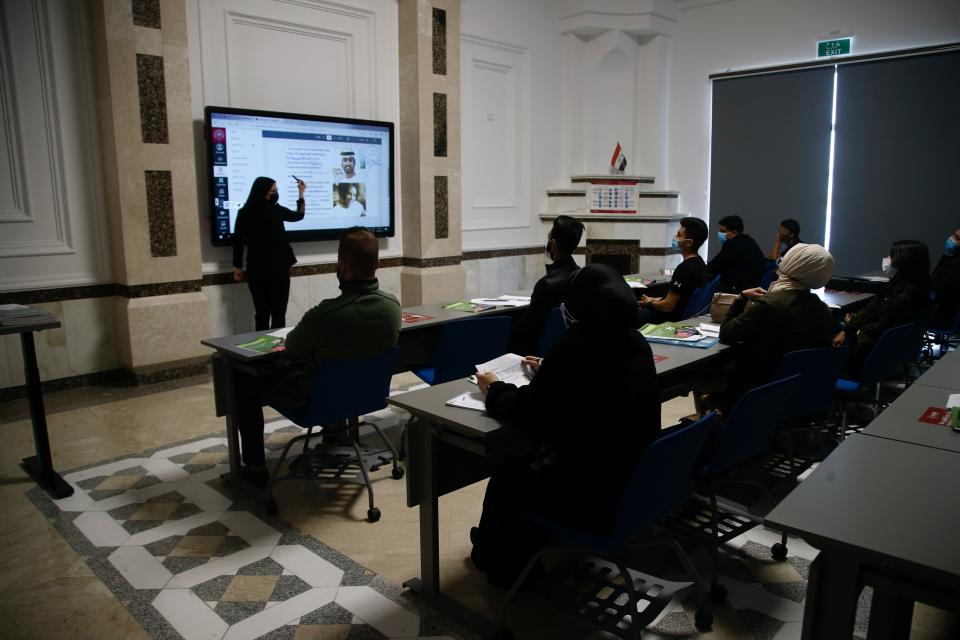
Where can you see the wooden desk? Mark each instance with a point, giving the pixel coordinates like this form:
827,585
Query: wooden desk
40,466
881,513
449,448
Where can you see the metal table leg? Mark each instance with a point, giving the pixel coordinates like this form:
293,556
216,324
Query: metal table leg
832,591
40,466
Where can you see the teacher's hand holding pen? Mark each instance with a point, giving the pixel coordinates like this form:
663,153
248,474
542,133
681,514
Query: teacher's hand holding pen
301,185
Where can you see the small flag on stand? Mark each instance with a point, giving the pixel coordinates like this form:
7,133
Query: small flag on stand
619,161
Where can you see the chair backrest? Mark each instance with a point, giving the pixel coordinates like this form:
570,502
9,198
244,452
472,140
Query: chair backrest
463,344
661,481
768,277
818,370
700,299
889,351
345,389
751,427
553,328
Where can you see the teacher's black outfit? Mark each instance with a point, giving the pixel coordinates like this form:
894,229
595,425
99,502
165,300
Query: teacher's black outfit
269,255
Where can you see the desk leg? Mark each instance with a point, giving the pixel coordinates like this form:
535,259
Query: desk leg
225,391
422,452
890,616
832,591
40,466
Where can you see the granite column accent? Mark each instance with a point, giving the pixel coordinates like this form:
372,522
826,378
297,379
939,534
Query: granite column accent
146,140
430,151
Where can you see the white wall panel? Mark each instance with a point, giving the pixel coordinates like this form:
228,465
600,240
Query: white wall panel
52,225
494,135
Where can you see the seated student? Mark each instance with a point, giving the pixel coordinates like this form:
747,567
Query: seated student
740,262
788,235
360,322
945,284
906,298
690,275
548,293
595,397
768,324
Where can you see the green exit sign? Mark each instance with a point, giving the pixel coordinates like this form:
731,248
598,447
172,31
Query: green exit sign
835,47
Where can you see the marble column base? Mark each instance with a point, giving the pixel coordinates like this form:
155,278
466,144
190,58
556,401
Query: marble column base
158,330
434,285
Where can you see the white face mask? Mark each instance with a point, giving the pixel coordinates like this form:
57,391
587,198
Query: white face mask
886,263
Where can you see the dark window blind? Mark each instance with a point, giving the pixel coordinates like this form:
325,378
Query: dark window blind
770,152
897,157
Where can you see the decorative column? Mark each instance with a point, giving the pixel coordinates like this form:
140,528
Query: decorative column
149,175
430,151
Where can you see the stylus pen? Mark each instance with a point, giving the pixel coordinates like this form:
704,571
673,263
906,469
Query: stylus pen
295,177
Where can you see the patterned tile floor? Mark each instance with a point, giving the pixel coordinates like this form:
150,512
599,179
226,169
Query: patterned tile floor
190,558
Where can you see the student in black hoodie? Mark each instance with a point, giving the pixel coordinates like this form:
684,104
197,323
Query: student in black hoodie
945,284
269,255
740,263
598,372
548,293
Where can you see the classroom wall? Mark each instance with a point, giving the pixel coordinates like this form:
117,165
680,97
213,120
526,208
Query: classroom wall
727,35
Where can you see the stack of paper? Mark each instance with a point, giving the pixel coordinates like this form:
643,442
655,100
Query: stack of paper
504,301
508,367
710,329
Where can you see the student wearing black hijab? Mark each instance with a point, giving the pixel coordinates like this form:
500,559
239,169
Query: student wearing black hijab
595,398
269,255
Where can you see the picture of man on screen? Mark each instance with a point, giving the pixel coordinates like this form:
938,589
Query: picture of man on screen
349,199
348,166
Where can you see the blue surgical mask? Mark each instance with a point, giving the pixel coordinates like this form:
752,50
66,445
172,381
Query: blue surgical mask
675,244
950,246
721,236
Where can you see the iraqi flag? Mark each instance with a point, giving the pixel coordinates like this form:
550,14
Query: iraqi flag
619,161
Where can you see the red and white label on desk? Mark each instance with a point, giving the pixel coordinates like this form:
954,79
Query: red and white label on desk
936,415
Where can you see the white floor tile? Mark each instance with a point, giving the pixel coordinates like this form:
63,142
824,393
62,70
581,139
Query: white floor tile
790,631
101,530
188,614
165,470
209,474
115,502
205,497
190,447
277,616
139,568
251,528
171,528
308,566
270,427
227,565
755,597
382,614
79,501
104,469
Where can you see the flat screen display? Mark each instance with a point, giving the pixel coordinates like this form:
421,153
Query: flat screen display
347,165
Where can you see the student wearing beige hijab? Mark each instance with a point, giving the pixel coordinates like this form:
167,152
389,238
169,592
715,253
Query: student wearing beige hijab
768,324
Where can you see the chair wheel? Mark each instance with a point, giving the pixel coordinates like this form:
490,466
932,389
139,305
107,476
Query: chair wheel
718,593
779,551
397,473
703,620
373,514
271,508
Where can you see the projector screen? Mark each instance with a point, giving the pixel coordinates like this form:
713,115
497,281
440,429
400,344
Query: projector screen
347,165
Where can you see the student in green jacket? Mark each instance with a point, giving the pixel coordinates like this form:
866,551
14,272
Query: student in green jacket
360,322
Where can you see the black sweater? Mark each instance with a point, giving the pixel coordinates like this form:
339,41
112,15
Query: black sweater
262,231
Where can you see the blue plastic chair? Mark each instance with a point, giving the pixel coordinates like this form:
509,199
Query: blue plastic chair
748,432
463,344
553,328
889,351
819,370
660,484
342,391
700,300
768,277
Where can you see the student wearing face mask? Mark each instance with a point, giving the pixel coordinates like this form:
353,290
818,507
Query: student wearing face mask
906,298
690,275
549,291
740,263
945,283
269,255
595,398
788,235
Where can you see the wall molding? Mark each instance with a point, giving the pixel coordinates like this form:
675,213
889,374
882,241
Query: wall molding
10,119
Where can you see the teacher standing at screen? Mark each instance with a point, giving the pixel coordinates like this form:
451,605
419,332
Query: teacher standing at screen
269,255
